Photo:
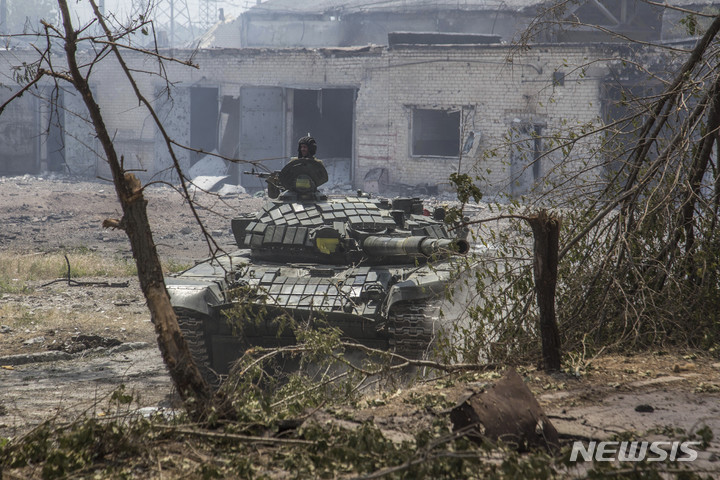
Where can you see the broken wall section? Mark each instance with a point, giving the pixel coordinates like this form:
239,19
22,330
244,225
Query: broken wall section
484,97
357,28
394,94
391,92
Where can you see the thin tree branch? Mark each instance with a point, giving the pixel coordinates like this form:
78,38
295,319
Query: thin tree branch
211,243
233,436
38,76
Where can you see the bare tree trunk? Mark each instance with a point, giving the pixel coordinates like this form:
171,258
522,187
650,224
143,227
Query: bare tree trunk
173,348
546,232
697,172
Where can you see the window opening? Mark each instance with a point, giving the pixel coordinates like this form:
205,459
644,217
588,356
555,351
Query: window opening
436,133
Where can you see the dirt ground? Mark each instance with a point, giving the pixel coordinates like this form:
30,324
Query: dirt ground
61,366
62,370
43,214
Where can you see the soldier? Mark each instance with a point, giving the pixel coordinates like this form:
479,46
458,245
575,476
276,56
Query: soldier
302,174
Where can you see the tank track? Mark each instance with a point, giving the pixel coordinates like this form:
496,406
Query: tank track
193,330
411,328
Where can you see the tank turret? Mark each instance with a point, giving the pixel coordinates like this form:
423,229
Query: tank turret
344,231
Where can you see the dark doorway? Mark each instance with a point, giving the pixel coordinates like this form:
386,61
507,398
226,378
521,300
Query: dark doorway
204,111
19,142
327,114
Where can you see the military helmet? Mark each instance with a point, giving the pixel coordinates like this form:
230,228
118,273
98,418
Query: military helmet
310,142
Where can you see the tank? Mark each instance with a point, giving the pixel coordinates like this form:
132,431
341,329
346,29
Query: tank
370,266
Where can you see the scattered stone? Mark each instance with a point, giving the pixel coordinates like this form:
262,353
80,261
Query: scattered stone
80,343
126,347
22,359
227,190
677,368
5,329
206,183
34,340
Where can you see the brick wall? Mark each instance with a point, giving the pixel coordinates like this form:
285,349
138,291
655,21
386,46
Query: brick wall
492,93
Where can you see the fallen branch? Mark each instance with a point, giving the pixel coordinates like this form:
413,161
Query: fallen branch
404,361
426,455
235,436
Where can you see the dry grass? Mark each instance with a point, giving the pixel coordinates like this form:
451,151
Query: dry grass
17,269
32,305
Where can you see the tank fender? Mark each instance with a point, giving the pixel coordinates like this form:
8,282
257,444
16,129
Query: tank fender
424,288
200,297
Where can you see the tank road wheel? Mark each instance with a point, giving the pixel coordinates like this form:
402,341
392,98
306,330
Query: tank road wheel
410,325
193,330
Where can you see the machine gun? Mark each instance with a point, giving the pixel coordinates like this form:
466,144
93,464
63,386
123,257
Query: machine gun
261,174
272,179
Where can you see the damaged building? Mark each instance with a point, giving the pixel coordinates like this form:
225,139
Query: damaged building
396,93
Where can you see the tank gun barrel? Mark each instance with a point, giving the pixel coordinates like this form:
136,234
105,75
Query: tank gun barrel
378,246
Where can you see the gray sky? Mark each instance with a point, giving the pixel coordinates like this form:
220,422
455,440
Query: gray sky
122,8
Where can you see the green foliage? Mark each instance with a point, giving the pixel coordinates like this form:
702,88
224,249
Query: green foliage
627,293
641,275
690,22
705,435
24,73
11,285
465,188
64,449
95,448
267,386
